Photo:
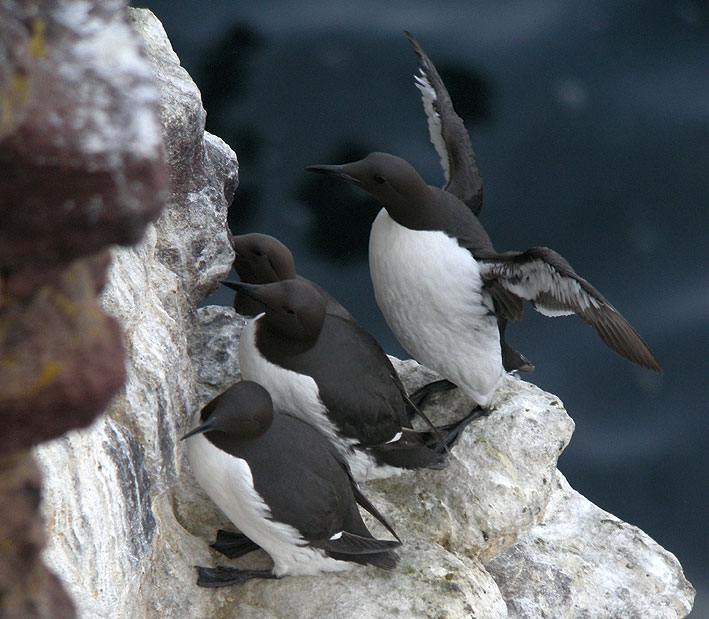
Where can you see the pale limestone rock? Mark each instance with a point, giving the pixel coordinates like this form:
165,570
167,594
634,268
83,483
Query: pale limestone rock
502,467
106,488
584,562
98,506
127,521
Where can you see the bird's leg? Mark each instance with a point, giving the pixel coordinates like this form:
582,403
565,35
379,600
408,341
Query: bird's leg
453,431
512,360
233,544
422,394
221,576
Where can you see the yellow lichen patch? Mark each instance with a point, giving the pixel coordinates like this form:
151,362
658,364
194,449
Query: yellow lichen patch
67,305
20,388
6,545
47,374
38,44
15,95
9,360
13,99
499,456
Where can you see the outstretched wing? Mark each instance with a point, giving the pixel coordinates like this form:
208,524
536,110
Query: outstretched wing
544,278
448,135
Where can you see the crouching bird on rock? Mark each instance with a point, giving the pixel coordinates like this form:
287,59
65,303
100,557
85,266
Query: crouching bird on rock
441,285
284,486
331,373
263,259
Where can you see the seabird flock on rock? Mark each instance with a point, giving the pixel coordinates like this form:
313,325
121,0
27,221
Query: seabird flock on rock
320,406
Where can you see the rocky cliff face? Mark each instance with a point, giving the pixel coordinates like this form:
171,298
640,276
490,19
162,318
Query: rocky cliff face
81,168
499,533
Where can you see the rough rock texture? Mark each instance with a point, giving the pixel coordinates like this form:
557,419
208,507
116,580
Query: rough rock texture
27,588
79,109
613,570
202,169
61,358
127,522
122,465
81,168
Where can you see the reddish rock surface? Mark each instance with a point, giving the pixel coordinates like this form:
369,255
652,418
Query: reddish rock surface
61,357
27,588
81,163
81,168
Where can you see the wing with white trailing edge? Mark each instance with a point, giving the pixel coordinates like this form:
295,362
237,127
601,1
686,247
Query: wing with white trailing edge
548,281
448,134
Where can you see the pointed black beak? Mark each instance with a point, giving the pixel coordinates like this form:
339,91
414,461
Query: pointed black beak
202,427
232,285
338,171
248,289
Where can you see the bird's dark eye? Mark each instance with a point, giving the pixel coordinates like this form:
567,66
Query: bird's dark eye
379,179
289,311
257,252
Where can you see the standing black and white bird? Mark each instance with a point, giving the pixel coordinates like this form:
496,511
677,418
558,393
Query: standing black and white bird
284,486
441,285
460,168
331,373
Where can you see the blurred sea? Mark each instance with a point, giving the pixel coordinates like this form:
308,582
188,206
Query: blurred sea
590,121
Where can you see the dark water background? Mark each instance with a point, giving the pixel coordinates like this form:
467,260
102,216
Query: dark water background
590,121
